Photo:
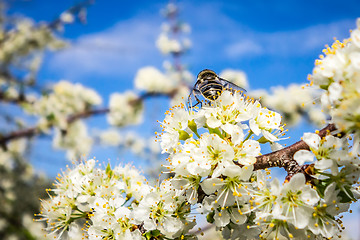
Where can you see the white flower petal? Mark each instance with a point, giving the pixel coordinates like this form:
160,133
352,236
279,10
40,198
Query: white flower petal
213,122
302,217
311,139
221,218
254,127
210,185
309,196
297,181
303,156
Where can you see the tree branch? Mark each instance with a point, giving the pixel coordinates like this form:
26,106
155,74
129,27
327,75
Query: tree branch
29,132
284,157
19,99
87,114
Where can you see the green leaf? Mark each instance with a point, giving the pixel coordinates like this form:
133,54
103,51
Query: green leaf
50,117
183,135
215,131
210,217
192,125
262,140
347,196
324,87
152,234
108,170
147,235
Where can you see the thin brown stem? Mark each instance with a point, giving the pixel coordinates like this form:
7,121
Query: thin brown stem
32,131
284,157
28,132
87,114
17,100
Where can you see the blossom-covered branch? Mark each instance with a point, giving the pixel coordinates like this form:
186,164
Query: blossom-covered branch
215,161
32,131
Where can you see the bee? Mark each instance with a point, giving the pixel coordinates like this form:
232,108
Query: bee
210,86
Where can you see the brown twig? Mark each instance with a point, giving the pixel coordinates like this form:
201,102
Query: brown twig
32,131
19,99
28,132
87,114
284,157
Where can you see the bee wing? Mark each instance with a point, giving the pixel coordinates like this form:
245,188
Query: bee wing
231,86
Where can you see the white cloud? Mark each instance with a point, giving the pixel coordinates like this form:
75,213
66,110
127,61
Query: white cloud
225,37
244,47
126,46
130,44
302,41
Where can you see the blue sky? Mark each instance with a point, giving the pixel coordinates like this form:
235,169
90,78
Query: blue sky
274,42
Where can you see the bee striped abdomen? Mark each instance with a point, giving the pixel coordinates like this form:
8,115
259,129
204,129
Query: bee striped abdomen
211,89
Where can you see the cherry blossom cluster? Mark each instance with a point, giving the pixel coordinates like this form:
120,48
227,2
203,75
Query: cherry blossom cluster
54,110
167,42
65,100
146,148
335,173
212,156
231,123
23,44
97,203
26,40
237,77
301,101
75,140
213,152
337,72
171,82
313,207
128,112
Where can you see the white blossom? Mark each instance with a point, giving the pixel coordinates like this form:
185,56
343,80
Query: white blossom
75,140
167,45
235,76
152,80
266,122
66,99
111,137
125,109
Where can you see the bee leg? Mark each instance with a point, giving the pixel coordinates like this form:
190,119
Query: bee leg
190,100
198,101
194,92
196,104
